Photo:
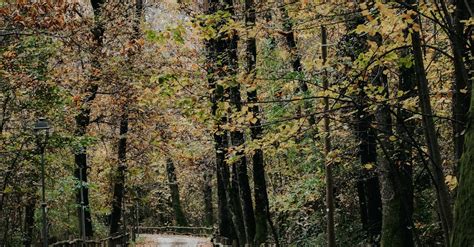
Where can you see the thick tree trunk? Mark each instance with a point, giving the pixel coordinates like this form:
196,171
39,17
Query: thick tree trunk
462,81
80,172
260,186
226,209
368,184
82,122
396,199
436,168
236,206
119,178
403,169
463,231
174,190
217,48
226,228
261,198
368,188
237,140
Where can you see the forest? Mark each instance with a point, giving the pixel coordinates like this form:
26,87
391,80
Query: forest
268,122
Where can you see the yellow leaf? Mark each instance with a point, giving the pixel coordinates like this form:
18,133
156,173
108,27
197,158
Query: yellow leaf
451,181
392,138
416,27
369,166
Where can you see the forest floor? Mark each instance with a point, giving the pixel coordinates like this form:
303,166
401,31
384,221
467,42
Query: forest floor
162,240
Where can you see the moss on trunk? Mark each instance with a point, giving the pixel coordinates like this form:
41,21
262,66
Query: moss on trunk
463,233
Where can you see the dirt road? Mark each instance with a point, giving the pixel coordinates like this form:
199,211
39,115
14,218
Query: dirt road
153,240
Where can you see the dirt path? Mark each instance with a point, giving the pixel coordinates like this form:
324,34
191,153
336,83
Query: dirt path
152,240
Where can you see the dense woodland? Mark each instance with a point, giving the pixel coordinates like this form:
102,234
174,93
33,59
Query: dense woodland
292,122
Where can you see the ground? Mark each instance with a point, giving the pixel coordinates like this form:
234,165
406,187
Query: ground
163,240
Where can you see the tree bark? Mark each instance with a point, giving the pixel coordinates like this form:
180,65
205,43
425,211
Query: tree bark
207,192
403,166
462,81
395,181
174,190
119,178
368,184
260,186
368,188
217,48
463,231
236,207
330,231
82,123
237,139
436,168
29,219
80,159
226,227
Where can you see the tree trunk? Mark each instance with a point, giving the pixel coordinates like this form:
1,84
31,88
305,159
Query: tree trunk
207,192
463,231
436,168
226,228
216,49
82,122
238,141
403,159
29,219
119,178
236,207
291,43
396,200
368,188
80,159
368,184
331,235
462,81
174,190
260,186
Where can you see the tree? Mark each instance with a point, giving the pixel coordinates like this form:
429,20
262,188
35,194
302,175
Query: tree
260,187
368,189
331,235
119,179
82,122
436,169
216,48
463,232
175,201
